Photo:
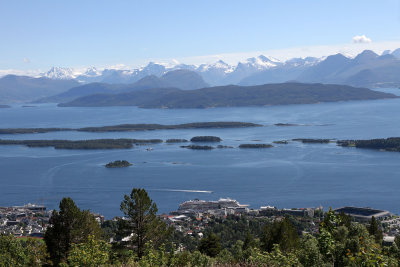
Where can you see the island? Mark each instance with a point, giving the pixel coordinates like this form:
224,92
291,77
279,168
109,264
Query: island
384,144
146,141
282,142
311,140
135,127
176,141
255,146
231,96
198,147
206,139
5,106
79,144
118,164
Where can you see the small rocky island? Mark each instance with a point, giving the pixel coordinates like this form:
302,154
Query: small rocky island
206,139
282,142
118,164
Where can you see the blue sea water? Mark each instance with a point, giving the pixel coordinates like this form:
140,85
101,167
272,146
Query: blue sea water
286,176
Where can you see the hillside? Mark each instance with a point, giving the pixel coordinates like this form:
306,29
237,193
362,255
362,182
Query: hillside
23,88
232,96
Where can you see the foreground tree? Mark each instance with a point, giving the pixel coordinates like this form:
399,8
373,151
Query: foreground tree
141,224
69,226
375,231
91,253
21,252
282,233
210,245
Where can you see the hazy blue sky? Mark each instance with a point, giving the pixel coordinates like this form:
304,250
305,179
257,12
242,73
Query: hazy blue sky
39,34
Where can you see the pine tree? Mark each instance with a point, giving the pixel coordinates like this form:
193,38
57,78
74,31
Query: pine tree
374,230
210,245
69,226
141,223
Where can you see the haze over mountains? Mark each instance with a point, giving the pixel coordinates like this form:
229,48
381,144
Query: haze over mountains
63,84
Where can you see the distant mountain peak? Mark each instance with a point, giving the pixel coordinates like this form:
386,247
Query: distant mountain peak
59,73
220,65
365,56
259,63
396,53
92,72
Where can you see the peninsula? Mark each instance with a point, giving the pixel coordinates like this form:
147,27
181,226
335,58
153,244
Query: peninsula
135,127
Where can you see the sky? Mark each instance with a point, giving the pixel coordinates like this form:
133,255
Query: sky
36,35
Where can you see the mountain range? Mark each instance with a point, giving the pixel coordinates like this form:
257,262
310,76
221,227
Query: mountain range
367,69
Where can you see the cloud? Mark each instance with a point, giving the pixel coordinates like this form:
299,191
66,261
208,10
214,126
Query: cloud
361,39
26,60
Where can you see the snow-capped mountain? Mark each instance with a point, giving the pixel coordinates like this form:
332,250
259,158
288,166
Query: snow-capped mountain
254,70
215,73
92,72
298,62
58,73
262,62
218,73
217,66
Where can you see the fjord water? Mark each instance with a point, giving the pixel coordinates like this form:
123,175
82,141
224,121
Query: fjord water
286,176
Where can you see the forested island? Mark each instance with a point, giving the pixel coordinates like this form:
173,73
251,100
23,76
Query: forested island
121,143
170,141
118,164
231,96
134,127
206,139
255,146
386,144
311,140
195,147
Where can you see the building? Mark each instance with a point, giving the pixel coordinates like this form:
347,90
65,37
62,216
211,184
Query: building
363,214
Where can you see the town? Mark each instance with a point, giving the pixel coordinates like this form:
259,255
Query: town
192,217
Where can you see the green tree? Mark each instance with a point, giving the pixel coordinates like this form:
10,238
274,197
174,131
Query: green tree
141,224
374,230
308,253
68,226
282,233
92,253
12,252
210,245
